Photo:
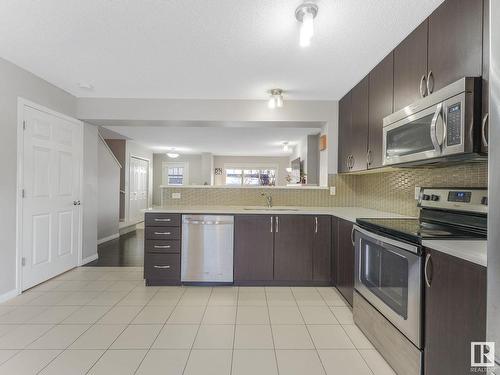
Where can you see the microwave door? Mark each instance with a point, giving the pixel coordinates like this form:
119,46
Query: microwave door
416,137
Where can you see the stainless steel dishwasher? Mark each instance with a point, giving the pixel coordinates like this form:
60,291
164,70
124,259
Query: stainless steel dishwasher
207,248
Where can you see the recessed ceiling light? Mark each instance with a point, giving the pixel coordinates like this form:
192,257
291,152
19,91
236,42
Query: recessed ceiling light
305,14
275,99
86,86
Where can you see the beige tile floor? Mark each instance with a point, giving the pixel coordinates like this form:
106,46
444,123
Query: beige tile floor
105,321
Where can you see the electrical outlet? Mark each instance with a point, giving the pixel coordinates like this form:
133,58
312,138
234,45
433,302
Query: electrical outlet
176,195
417,192
333,190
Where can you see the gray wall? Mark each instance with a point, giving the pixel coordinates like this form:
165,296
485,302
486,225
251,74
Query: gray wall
90,191
16,82
195,172
108,193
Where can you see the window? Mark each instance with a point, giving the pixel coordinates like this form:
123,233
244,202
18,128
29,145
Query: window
251,176
175,174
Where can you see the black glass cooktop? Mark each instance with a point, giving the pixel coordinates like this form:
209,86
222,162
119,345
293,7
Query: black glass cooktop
415,230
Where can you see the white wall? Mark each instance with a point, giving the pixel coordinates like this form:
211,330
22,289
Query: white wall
90,191
137,150
281,162
195,174
108,213
16,82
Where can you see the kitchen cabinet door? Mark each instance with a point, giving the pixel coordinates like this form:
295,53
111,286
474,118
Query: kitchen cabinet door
335,247
345,260
455,313
345,122
322,248
253,247
359,131
381,97
293,241
455,42
410,66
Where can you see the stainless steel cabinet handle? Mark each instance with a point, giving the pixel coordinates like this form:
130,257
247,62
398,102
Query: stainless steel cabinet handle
167,220
162,246
348,162
483,130
369,159
352,237
271,224
277,224
427,281
422,86
353,160
430,87
162,267
316,224
163,233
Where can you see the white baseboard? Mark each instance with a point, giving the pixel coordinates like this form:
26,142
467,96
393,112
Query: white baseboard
6,296
90,259
109,238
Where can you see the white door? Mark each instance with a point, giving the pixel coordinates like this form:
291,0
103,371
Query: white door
139,176
52,162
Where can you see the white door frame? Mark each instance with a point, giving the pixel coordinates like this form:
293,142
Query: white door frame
21,104
132,156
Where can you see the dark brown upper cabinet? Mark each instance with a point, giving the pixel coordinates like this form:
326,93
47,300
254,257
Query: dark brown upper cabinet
322,244
455,42
455,313
253,247
293,256
345,121
359,131
381,95
410,68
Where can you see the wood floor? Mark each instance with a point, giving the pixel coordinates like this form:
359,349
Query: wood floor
126,251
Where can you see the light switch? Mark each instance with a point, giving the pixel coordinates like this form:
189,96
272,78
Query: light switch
417,192
333,190
176,195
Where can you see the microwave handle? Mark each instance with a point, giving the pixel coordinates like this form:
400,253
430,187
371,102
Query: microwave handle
433,128
484,131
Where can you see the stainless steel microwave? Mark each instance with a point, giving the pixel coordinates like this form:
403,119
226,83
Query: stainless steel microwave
444,126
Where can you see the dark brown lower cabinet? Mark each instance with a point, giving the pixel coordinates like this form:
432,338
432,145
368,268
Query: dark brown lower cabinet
322,244
455,313
334,250
345,260
293,256
253,247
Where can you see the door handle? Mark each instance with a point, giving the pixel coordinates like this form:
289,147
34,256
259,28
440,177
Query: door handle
315,224
422,86
426,276
163,233
483,130
163,220
369,159
76,203
162,267
277,224
353,160
271,224
162,246
433,128
430,88
352,237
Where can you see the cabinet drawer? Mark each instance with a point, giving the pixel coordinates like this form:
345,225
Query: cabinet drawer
162,220
162,266
156,246
163,233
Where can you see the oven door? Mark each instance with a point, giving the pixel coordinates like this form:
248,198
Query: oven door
388,274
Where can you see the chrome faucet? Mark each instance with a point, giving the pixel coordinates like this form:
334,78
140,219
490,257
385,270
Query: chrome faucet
269,199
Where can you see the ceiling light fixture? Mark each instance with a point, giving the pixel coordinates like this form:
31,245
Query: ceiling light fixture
285,147
172,154
305,14
276,98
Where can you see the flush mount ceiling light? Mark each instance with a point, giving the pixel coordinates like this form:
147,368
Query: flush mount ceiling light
305,14
286,148
275,99
172,154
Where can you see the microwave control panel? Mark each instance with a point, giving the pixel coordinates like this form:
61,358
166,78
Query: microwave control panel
453,124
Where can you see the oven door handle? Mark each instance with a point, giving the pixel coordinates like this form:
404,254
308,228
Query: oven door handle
426,276
433,129
402,245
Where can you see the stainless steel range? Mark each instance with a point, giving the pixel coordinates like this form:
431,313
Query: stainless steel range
390,269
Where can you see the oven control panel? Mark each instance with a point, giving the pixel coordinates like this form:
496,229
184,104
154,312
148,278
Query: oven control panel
458,199
453,124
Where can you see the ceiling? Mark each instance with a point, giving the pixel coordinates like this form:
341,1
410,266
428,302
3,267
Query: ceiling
204,49
237,141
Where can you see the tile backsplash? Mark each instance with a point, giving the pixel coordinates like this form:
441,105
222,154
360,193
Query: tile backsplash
392,191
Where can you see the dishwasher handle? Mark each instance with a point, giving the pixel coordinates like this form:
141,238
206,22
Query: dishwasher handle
208,222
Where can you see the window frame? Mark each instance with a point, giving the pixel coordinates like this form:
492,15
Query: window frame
179,164
254,166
